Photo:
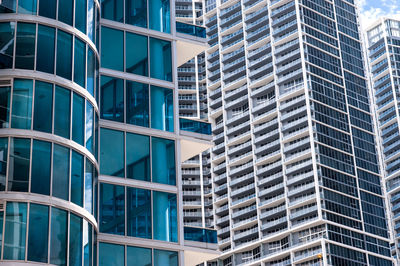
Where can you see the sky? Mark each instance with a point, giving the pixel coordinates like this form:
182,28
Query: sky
370,10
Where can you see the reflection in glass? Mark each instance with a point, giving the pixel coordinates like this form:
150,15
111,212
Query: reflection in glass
18,170
163,161
75,240
112,152
58,237
136,13
162,108
111,255
64,54
89,186
8,6
15,231
5,95
78,116
41,165
165,258
45,49
1,229
138,212
112,10
65,8
138,157
90,71
25,46
112,209
62,107
87,244
43,107
60,172
3,163
165,217
38,228
89,124
138,256
159,15
112,99
77,178
91,20
47,8
137,103
160,59
7,30
112,48
27,7
80,15
22,104
80,62
136,54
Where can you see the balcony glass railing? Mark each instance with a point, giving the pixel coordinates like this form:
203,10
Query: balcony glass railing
200,235
191,29
195,126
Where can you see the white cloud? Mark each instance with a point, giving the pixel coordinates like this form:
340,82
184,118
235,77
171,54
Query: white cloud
369,14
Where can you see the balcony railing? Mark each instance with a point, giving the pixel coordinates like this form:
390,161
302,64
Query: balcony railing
195,126
191,29
200,235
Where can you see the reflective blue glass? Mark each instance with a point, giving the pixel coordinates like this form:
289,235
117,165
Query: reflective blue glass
75,240
78,119
58,237
89,125
22,104
91,20
112,209
113,10
64,54
138,256
62,112
112,48
65,8
138,212
80,62
137,103
43,107
25,46
41,167
136,13
138,157
90,71
45,49
112,99
8,6
165,220
112,152
15,231
80,15
159,15
18,169
3,163
163,161
77,178
111,255
60,172
47,8
1,229
165,258
5,96
136,60
38,232
160,59
87,244
89,169
162,108
27,7
7,32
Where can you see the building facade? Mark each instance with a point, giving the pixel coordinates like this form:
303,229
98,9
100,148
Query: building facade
91,142
296,178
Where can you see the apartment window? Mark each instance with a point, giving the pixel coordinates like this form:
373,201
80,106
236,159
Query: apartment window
162,108
7,34
37,241
112,99
45,49
15,231
138,157
137,57
112,209
25,46
112,47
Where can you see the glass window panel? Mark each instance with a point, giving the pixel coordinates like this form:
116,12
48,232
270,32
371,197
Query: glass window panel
112,48
165,217
89,124
64,54
22,104
139,212
137,101
113,10
1,229
136,54
41,167
138,256
160,59
65,8
91,20
78,119
75,240
62,112
45,49
27,7
112,152
112,99
38,232
90,71
80,15
25,46
8,6
159,15
89,186
3,163
60,172
162,108
112,209
80,62
58,237
136,12
165,258
18,170
5,95
111,255
7,31
163,161
96,136
47,8
87,244
43,107
15,231
138,157
77,178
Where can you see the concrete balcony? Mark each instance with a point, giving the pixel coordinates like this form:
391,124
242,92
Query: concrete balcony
191,41
196,137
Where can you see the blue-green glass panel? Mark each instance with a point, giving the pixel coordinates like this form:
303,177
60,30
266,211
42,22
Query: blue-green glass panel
41,167
136,54
160,59
60,172
80,62
162,108
136,13
77,178
7,32
90,71
8,6
195,126
64,54
58,237
62,112
137,103
18,169
113,10
87,244
163,161
138,256
165,217
78,119
3,162
45,49
112,152
27,7
191,29
38,232
21,116
91,24
5,96
43,107
65,8
96,136
25,46
89,124
112,99
80,15
112,48
75,240
1,229
159,15
89,172
200,235
165,258
111,255
112,209
138,212
47,8
138,157
15,231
